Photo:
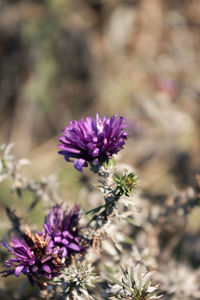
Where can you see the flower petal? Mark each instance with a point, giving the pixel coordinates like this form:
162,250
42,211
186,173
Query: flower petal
64,251
79,164
46,268
74,247
18,270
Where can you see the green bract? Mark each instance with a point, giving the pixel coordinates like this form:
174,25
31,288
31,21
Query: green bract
125,183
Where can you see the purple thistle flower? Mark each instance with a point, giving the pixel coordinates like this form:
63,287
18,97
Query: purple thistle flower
92,140
61,226
35,256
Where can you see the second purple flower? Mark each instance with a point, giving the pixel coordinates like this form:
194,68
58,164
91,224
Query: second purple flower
62,226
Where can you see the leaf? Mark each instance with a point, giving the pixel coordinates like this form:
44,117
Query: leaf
121,284
146,285
132,221
95,210
7,156
128,240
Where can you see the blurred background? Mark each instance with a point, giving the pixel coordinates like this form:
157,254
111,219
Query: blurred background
66,59
62,60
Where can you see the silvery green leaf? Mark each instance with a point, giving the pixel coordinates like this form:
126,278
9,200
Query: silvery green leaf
23,162
7,150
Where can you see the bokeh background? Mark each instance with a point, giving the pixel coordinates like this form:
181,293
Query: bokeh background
66,59
62,60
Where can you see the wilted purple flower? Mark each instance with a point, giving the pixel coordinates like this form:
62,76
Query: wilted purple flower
35,256
92,140
61,226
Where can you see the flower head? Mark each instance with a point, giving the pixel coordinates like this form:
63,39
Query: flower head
61,226
35,256
92,140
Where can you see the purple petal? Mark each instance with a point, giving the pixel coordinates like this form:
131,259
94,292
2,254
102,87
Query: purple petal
67,234
95,152
57,239
6,245
65,242
18,270
95,161
46,268
74,247
47,228
70,149
31,262
67,158
79,164
46,259
64,251
34,269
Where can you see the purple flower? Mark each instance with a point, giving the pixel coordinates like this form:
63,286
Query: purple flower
61,226
92,140
35,256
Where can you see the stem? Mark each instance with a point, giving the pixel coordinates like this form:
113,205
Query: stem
102,213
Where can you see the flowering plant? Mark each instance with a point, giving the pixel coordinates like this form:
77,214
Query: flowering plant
104,252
